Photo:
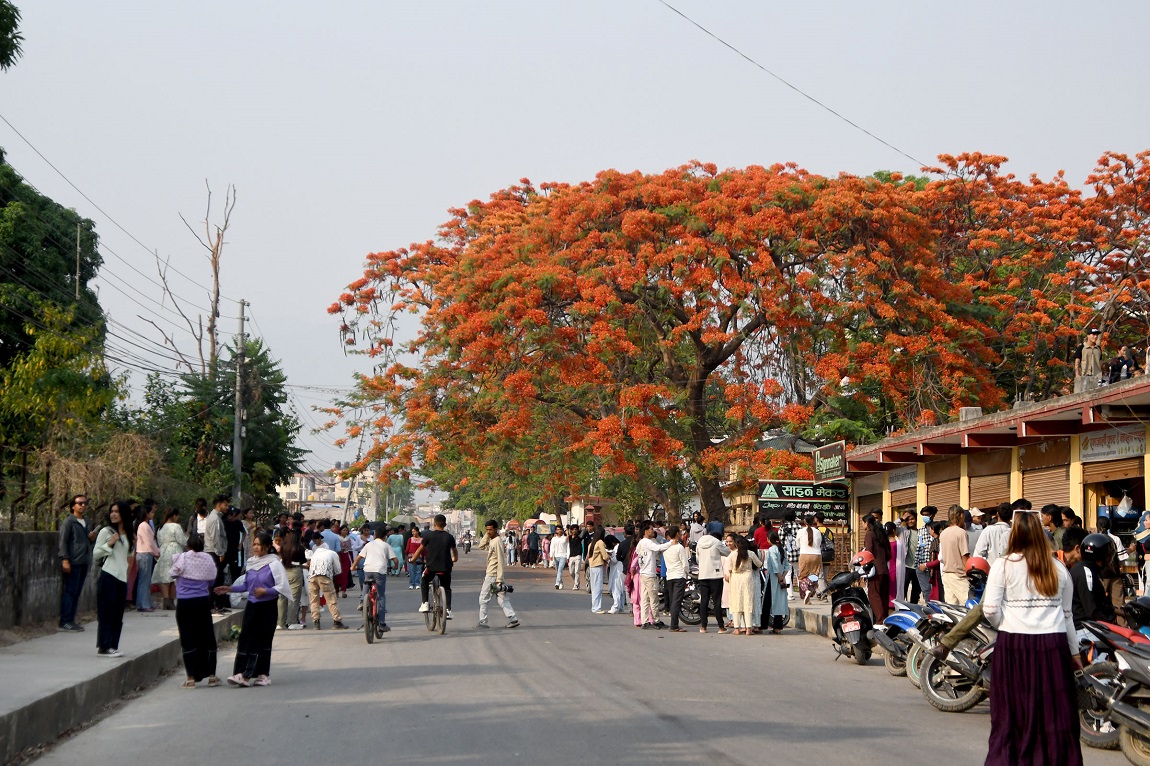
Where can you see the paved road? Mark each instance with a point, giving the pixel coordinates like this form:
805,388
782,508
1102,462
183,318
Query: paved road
566,686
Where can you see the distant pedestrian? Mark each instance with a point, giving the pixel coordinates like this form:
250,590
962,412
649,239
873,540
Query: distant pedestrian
147,553
198,519
775,607
710,552
742,580
534,544
343,579
414,567
698,528
75,552
909,536
598,559
264,582
293,559
172,540
678,560
1088,362
575,554
559,554
194,572
810,541
511,540
545,550
322,570
615,576
216,544
493,578
398,543
113,546
647,552
878,587
789,532
377,558
1029,598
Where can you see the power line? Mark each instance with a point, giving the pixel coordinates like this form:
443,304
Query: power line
116,223
795,88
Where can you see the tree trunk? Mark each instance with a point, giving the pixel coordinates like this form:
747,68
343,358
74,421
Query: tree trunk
711,495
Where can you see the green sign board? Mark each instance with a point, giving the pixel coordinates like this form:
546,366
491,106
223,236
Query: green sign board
833,501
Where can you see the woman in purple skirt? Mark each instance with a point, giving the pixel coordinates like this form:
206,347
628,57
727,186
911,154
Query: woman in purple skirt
1033,704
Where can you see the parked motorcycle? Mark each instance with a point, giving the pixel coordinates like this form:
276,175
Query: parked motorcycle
851,616
962,680
1121,696
896,634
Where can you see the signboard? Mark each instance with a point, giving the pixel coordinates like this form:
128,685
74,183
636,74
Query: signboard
805,497
902,478
1113,444
831,463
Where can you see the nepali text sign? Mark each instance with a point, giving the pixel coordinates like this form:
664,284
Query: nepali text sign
804,497
1113,444
831,463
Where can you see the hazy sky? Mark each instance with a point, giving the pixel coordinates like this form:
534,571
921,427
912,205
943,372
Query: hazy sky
352,127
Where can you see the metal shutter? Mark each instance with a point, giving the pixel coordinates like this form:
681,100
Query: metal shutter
1112,470
901,498
989,491
868,503
942,495
1047,485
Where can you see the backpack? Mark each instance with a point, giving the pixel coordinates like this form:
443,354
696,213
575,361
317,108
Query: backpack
828,547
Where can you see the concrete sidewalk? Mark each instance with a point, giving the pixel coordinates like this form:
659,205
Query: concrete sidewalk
813,618
51,684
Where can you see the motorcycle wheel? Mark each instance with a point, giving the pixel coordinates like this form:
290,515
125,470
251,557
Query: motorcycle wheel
896,666
1097,730
946,689
913,665
1134,746
689,611
861,651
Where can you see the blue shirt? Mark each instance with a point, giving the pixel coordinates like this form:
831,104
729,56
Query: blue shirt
332,539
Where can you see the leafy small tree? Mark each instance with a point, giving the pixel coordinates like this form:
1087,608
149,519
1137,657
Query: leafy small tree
11,41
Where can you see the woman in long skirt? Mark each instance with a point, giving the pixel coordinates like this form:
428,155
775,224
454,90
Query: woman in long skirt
265,581
343,579
1033,702
194,572
112,553
742,580
172,541
775,606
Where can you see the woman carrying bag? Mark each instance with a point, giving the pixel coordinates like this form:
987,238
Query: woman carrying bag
113,546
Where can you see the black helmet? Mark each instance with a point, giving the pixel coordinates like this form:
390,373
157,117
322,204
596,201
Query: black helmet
1096,548
1137,612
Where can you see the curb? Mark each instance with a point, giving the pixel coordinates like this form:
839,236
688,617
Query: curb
811,621
42,721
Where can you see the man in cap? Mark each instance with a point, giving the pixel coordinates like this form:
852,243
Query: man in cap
1088,362
922,551
974,528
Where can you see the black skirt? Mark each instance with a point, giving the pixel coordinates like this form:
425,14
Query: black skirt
254,649
197,636
1033,702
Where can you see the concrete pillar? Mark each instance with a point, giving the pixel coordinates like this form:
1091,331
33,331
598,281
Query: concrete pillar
964,481
1077,495
920,489
1015,475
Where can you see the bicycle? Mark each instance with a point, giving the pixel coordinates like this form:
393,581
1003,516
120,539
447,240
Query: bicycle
371,627
436,615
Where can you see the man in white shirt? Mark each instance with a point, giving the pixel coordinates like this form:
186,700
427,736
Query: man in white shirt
974,528
678,561
376,556
323,566
993,540
648,552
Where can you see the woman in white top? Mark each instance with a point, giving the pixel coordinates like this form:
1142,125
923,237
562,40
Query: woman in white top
743,580
810,541
113,545
559,552
1033,707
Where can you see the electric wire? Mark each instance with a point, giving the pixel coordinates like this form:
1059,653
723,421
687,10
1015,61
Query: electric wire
787,83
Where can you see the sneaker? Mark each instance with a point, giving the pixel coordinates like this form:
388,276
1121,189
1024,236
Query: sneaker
513,624
660,624
612,611
114,653
337,625
449,614
383,628
297,626
70,627
262,681
149,609
239,680
411,587
423,607
483,625
648,626
359,608
598,611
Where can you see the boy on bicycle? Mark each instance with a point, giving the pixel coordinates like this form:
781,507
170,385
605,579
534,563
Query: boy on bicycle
439,548
376,556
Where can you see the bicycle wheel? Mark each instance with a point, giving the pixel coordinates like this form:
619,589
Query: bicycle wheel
441,608
369,618
431,617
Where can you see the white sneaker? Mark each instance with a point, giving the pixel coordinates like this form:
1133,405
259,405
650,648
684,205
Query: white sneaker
559,587
449,614
114,653
297,626
423,607
598,611
612,611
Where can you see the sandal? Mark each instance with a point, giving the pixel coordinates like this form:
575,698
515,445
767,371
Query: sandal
213,680
702,630
722,630
678,630
189,684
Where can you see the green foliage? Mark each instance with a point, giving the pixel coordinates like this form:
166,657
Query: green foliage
11,40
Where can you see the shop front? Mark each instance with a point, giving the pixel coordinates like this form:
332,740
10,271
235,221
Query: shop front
1113,474
1045,470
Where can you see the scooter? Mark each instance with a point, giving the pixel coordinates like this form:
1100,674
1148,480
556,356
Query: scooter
851,616
896,634
1122,697
962,680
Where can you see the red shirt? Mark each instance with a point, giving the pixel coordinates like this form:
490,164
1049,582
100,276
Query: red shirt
762,542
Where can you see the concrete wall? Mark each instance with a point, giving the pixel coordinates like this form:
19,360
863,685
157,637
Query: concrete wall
30,579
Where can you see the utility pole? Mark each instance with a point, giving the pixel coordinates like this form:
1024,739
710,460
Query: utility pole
77,261
238,419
